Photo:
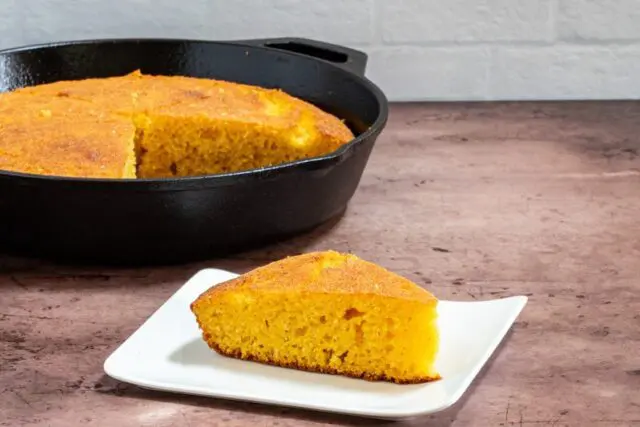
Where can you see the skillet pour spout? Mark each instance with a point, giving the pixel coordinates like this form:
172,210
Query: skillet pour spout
175,220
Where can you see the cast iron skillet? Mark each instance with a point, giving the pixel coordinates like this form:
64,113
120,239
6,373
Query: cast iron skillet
152,221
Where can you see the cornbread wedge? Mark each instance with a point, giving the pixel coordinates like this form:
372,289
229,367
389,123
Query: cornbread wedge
325,312
48,136
175,126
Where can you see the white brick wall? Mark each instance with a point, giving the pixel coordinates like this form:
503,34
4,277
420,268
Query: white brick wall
464,21
419,49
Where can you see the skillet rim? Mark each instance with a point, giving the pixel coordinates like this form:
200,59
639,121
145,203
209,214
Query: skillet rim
222,179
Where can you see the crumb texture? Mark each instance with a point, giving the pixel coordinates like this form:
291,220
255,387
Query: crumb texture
325,312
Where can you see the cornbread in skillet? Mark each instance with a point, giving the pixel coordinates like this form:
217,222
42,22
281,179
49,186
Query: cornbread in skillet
159,126
50,136
228,127
326,312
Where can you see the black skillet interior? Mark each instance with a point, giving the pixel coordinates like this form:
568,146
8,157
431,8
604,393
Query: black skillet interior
184,219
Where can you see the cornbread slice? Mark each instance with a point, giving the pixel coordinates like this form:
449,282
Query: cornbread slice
47,136
325,312
225,127
181,126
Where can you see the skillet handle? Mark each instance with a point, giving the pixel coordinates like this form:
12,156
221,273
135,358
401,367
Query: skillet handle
351,60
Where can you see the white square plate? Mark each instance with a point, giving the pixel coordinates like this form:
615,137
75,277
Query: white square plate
167,353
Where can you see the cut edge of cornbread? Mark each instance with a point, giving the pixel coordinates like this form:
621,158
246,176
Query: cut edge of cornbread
220,127
168,146
378,327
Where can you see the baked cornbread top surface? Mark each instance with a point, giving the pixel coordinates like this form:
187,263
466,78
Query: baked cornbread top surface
326,272
45,135
138,93
89,116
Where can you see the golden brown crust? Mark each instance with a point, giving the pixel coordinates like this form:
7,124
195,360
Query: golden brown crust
53,136
236,354
326,272
75,110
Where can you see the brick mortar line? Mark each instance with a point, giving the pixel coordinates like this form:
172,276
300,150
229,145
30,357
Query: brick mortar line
504,43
